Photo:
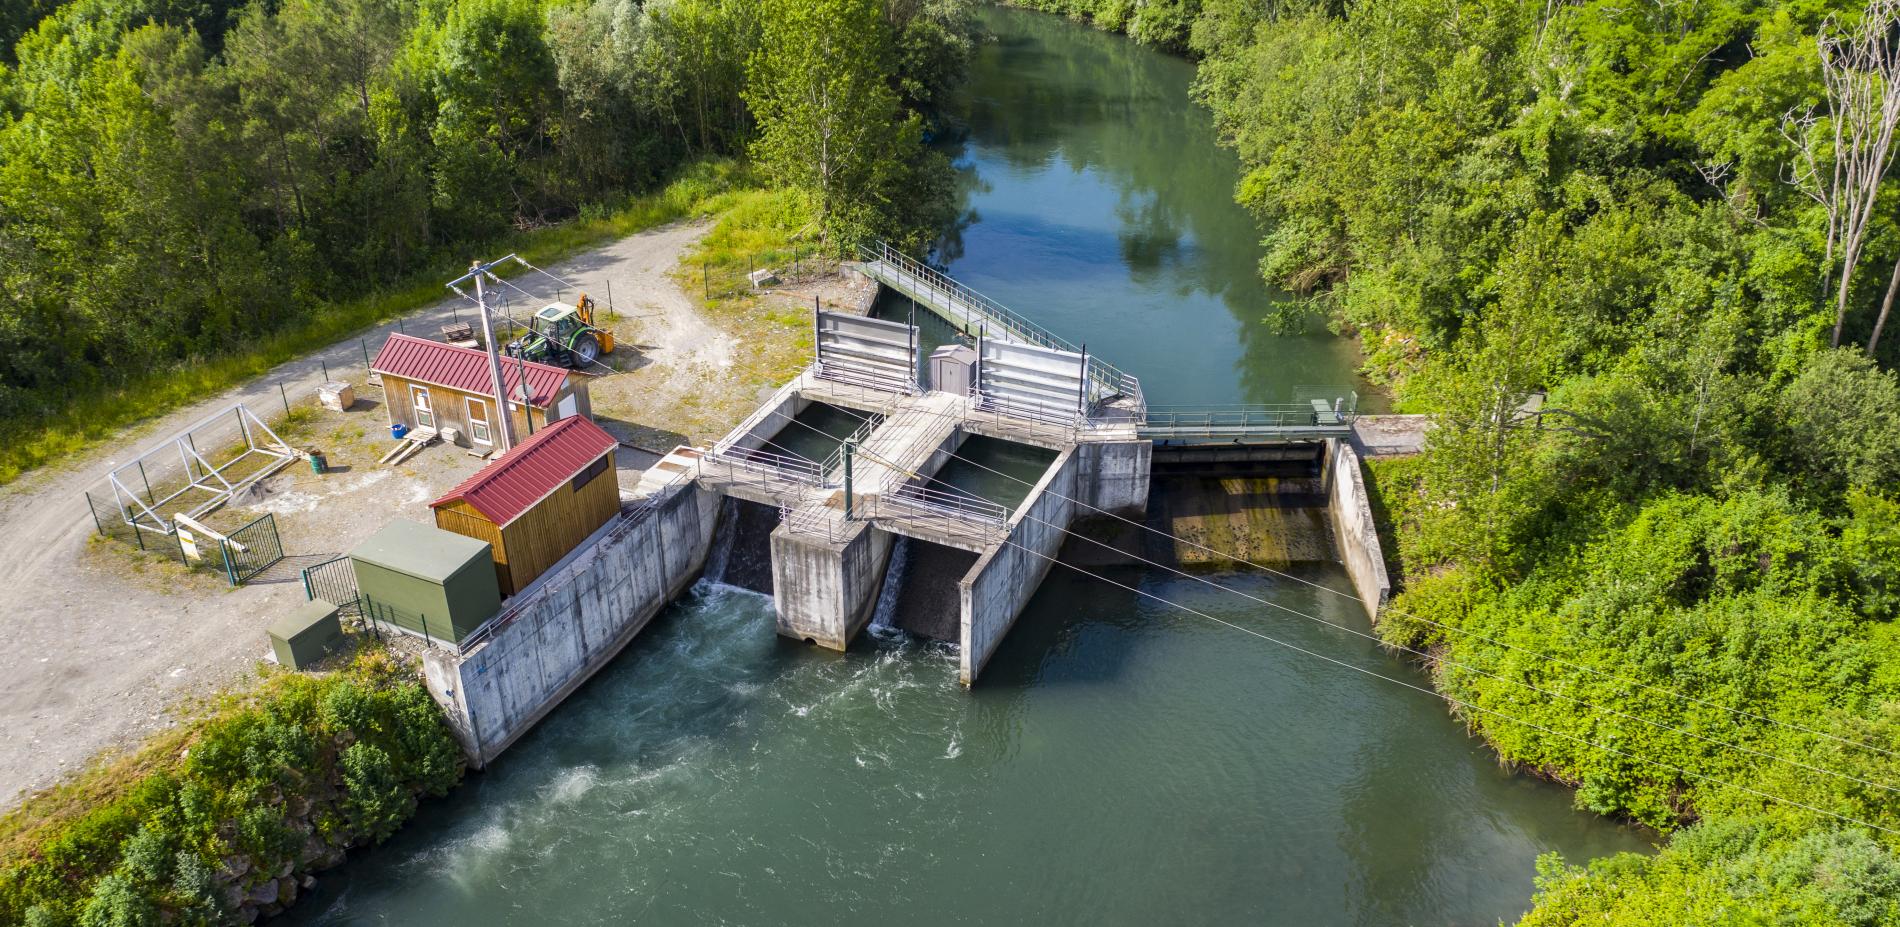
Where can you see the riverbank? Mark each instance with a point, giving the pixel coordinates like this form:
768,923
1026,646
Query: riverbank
1510,527
226,819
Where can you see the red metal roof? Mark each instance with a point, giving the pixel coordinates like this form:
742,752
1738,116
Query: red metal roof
515,481
465,369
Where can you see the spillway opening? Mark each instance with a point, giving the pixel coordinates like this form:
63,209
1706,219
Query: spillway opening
1000,471
742,553
919,595
816,432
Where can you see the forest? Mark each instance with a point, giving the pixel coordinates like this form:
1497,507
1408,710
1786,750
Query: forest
1637,259
181,178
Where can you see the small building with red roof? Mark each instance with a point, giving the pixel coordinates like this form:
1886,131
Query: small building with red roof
538,501
429,384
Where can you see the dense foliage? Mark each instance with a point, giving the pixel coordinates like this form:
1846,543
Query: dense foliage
180,177
270,785
1654,546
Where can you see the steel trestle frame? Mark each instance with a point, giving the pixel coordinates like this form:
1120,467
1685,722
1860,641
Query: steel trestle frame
200,473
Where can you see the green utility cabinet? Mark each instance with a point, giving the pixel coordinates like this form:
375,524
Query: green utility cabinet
302,637
423,579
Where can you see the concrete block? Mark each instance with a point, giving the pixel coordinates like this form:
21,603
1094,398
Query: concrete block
825,591
304,636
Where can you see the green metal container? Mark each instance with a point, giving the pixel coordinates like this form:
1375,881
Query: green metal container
304,636
426,580
318,463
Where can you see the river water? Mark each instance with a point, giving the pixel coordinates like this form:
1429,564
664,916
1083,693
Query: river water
1122,761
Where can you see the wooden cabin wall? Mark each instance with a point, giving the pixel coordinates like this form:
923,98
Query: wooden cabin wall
558,524
462,518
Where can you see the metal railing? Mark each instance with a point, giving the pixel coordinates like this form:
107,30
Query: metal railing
333,581
770,472
816,521
826,388
833,465
973,309
1248,421
1061,416
910,498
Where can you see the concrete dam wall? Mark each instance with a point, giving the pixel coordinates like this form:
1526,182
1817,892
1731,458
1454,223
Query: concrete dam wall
557,634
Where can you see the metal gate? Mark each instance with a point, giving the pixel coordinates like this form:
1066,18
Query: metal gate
1039,383
334,581
875,353
252,549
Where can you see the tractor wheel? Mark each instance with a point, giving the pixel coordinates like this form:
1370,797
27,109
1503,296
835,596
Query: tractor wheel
585,350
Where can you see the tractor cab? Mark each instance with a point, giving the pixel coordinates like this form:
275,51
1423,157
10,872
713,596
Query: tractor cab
564,335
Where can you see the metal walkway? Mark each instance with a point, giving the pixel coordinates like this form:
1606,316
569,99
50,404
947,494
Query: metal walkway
1312,420
973,313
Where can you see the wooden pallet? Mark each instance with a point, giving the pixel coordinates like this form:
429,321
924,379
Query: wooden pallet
410,445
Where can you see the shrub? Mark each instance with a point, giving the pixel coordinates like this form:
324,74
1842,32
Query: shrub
159,836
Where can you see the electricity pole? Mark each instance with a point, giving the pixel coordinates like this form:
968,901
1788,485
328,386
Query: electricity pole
504,424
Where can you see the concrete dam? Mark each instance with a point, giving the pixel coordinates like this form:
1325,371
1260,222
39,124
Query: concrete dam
977,458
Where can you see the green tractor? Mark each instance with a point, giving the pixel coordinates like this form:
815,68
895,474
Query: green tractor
564,335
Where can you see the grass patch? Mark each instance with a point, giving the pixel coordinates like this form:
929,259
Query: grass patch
753,229
30,442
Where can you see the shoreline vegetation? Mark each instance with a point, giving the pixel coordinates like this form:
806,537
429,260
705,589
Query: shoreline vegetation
1599,244
225,818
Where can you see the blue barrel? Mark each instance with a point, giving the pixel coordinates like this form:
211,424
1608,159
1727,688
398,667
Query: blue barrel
397,430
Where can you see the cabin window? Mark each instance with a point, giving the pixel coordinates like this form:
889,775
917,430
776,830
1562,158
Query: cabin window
593,470
425,413
478,421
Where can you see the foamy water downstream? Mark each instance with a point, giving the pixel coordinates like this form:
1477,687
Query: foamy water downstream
1122,761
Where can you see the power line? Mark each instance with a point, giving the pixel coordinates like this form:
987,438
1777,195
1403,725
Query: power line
1404,614
1420,653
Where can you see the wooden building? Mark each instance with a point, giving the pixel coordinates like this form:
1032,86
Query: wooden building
537,502
428,384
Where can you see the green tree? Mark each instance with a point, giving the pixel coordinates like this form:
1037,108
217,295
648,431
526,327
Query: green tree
829,121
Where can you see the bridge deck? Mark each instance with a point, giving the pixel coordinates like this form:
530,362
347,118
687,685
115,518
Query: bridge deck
1313,420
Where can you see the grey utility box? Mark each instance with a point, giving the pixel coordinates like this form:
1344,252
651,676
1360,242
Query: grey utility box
304,636
953,369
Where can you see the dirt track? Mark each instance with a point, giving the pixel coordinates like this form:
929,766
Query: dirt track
97,653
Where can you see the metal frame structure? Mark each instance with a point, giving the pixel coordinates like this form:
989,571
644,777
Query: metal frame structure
1313,418
201,475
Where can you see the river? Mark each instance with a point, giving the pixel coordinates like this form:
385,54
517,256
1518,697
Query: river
1122,761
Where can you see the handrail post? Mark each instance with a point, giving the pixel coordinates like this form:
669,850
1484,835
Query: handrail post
847,480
